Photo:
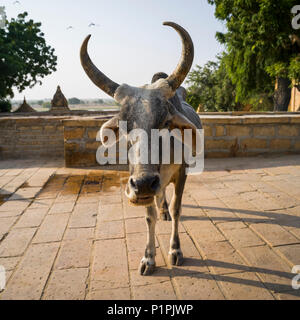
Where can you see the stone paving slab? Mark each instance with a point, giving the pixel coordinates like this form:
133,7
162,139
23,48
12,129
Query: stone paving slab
71,234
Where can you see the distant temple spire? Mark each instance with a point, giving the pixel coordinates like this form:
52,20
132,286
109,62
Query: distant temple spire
24,108
59,102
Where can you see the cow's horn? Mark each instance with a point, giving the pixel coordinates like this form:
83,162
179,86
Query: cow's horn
187,57
99,79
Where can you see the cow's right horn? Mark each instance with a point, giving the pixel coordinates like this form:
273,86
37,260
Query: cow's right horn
99,79
177,77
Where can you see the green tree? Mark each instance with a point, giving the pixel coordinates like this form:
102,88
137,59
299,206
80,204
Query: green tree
211,88
25,57
201,87
46,105
5,105
74,101
259,46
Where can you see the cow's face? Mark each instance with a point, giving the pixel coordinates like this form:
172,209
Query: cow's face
144,108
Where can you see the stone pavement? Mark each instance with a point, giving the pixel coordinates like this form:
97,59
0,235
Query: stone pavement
70,233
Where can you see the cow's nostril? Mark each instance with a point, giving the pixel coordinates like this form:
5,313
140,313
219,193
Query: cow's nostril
133,183
155,183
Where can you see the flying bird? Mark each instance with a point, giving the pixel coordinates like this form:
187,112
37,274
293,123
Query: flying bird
92,24
70,27
17,2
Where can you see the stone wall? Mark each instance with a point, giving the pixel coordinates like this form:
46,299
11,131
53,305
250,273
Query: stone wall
225,136
80,141
251,135
74,137
31,137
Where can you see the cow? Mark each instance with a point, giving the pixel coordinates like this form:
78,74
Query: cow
159,105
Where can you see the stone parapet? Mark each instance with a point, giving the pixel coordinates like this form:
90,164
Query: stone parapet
31,137
74,137
251,135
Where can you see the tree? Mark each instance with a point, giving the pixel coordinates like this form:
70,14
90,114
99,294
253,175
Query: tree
201,86
260,50
211,88
46,104
5,105
74,101
25,57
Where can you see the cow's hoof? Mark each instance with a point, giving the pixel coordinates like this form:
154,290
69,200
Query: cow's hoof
147,266
176,257
165,216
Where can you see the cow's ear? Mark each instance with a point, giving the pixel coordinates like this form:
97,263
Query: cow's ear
179,121
109,127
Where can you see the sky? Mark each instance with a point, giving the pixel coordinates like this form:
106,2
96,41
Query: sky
129,43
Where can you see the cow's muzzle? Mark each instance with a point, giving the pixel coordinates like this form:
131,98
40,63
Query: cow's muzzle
142,189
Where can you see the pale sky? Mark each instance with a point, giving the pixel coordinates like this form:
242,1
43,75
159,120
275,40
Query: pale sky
129,45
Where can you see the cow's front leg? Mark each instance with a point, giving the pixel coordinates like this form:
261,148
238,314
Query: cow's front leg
175,253
162,206
147,264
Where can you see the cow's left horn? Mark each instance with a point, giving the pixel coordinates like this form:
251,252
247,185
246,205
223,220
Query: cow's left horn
99,79
187,57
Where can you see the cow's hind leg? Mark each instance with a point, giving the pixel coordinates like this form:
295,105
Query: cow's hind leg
162,206
175,253
147,264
